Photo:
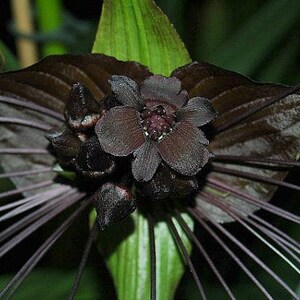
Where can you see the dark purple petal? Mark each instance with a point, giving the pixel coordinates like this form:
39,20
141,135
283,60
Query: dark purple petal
126,91
146,161
119,131
167,89
199,111
183,149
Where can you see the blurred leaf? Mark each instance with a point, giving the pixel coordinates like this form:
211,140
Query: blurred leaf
49,18
283,61
49,284
251,44
211,33
138,30
8,60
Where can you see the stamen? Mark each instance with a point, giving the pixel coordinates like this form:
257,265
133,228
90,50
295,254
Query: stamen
206,256
185,254
25,173
36,125
83,262
38,255
255,177
152,256
32,106
157,123
198,216
256,108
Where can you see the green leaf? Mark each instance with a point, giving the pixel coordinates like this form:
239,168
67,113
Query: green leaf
63,172
126,248
139,31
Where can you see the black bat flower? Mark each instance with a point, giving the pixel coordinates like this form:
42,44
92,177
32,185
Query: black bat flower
97,111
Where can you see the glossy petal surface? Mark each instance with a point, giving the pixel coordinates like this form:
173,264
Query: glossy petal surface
146,161
119,131
165,89
126,91
182,149
199,111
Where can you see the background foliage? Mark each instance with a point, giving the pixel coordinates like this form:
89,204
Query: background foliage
260,39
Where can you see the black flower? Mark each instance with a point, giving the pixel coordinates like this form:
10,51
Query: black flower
254,141
156,122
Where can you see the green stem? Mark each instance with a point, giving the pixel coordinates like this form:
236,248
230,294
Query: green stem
49,18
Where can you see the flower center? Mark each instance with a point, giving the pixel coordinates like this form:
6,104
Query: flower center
157,123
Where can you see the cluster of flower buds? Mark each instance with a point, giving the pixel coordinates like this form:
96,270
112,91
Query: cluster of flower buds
75,143
146,137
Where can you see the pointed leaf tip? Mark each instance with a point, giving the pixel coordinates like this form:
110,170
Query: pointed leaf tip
139,31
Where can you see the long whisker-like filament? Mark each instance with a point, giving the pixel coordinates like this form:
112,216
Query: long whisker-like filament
37,224
152,256
257,108
193,237
36,214
26,206
13,151
25,173
185,255
196,214
43,194
250,254
32,106
276,239
261,161
230,212
261,204
280,235
83,262
38,255
255,177
26,189
33,124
